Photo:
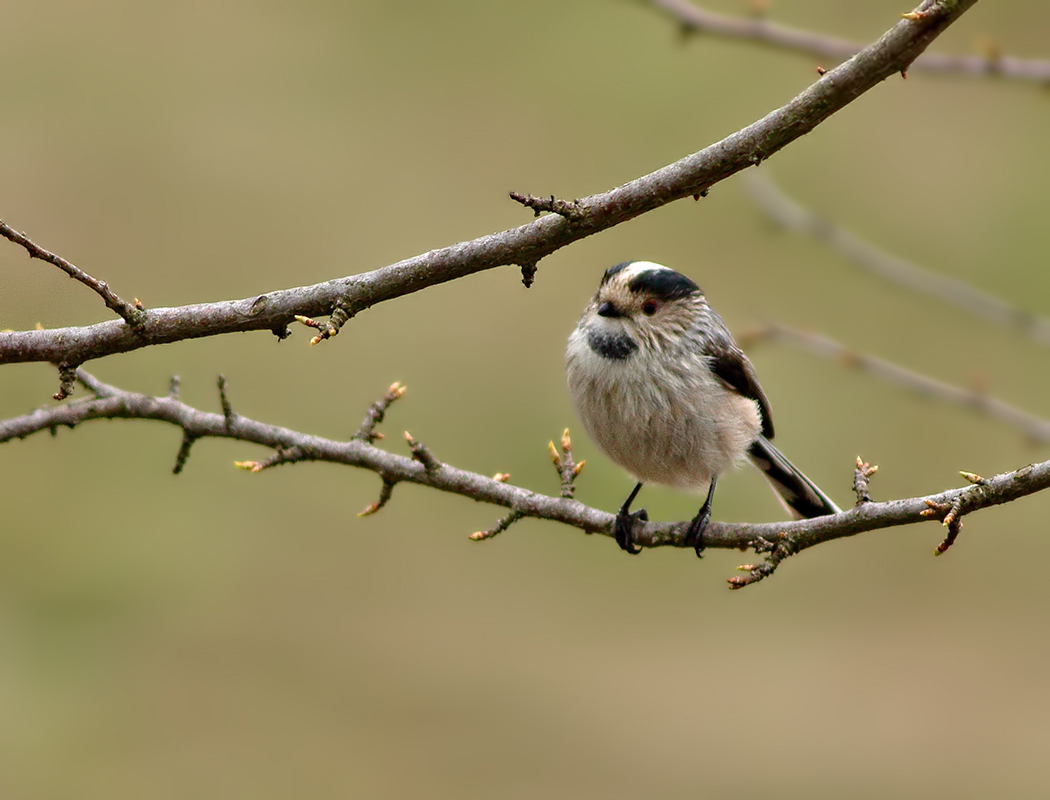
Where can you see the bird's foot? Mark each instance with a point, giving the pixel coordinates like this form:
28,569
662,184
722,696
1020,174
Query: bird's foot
624,526
694,537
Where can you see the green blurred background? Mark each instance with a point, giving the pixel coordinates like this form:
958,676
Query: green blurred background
220,634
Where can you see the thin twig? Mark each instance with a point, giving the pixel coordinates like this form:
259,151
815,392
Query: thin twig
184,452
758,572
566,465
367,431
862,479
1034,428
779,539
67,377
340,315
759,29
227,408
786,212
690,176
498,528
133,314
385,493
281,455
422,454
953,533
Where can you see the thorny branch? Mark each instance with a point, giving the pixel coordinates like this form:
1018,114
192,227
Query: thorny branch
524,246
777,539
990,62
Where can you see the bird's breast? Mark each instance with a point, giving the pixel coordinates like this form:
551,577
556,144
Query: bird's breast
674,424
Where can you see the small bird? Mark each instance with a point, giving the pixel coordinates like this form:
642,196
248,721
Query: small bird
668,395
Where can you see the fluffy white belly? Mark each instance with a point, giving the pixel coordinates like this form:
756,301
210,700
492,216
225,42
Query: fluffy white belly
679,427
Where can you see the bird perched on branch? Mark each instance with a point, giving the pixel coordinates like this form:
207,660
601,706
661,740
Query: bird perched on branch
668,395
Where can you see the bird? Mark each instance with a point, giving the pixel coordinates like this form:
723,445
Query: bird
667,394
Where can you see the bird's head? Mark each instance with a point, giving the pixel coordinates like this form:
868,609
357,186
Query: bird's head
640,304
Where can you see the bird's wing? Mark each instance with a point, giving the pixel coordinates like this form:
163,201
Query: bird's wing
734,369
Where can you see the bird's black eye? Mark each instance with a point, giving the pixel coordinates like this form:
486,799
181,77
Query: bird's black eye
649,307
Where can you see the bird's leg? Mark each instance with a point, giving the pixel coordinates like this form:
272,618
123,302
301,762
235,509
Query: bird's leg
625,522
695,535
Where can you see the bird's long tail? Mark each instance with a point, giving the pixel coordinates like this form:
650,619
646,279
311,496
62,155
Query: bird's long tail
799,494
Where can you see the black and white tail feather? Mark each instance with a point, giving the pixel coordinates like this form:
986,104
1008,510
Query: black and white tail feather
799,495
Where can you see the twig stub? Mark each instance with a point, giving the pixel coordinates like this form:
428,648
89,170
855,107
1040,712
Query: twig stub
563,208
953,533
281,455
755,573
184,451
367,432
228,414
498,528
67,378
567,468
385,493
528,273
422,454
341,314
861,477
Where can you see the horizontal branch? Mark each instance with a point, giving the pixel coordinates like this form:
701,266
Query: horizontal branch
797,40
1034,428
786,212
524,246
777,540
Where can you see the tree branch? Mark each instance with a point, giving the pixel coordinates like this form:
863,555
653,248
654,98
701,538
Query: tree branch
1034,428
893,53
131,313
789,214
777,540
991,62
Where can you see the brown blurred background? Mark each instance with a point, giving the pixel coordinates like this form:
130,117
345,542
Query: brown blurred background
220,634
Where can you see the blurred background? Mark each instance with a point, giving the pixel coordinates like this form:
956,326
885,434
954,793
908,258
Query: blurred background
221,634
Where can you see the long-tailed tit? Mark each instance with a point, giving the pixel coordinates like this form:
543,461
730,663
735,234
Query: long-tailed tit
669,396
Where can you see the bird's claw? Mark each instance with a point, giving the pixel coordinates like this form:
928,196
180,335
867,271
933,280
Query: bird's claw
624,527
694,537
